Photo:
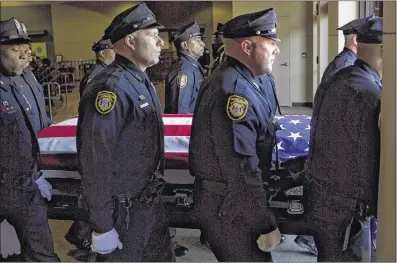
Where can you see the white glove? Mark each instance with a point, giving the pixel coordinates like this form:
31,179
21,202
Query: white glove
105,243
44,187
267,242
9,243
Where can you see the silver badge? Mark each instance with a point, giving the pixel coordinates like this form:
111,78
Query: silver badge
18,26
144,105
25,32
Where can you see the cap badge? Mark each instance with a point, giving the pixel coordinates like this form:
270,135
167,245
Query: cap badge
18,26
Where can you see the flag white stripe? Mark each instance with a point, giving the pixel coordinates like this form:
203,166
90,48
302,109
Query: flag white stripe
54,145
166,120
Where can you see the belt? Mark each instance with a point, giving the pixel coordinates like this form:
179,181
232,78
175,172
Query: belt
19,180
215,187
126,198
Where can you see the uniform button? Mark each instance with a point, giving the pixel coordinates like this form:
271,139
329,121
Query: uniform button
220,214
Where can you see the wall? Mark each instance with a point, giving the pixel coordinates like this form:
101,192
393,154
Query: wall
386,235
77,25
40,21
221,12
301,27
339,14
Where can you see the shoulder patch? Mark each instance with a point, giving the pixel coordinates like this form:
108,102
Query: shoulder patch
105,101
181,80
237,107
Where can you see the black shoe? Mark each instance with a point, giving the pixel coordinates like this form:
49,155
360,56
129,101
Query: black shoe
307,242
203,239
78,243
179,250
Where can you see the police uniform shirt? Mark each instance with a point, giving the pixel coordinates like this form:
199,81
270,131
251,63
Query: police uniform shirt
18,142
267,83
90,74
345,136
344,59
33,93
182,85
120,130
232,139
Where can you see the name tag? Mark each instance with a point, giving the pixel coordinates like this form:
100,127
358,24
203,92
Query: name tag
144,105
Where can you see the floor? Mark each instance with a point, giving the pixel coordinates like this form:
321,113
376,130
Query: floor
286,252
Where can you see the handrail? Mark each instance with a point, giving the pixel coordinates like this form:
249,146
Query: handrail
48,84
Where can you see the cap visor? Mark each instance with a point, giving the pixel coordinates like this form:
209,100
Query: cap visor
272,38
156,25
16,41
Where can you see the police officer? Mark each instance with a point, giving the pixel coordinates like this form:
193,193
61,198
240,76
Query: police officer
120,146
23,189
79,233
184,78
104,56
231,143
218,48
343,160
349,53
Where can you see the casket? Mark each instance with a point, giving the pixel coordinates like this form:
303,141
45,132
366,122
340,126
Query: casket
59,166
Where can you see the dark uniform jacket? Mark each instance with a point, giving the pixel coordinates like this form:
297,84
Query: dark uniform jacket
231,142
344,143
182,85
90,74
22,115
267,81
344,59
120,138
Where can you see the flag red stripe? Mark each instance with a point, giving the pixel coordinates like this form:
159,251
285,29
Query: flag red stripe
177,156
58,131
70,131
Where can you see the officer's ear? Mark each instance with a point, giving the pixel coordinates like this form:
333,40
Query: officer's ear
129,41
102,53
355,40
184,44
247,46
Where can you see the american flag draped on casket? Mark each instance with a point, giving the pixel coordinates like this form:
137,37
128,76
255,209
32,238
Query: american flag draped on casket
292,140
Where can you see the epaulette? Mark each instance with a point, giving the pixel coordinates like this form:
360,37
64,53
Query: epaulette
229,81
113,77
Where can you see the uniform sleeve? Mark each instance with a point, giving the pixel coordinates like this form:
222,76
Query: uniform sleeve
236,150
185,84
101,117
341,61
171,93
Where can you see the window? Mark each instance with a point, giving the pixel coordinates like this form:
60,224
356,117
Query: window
371,7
